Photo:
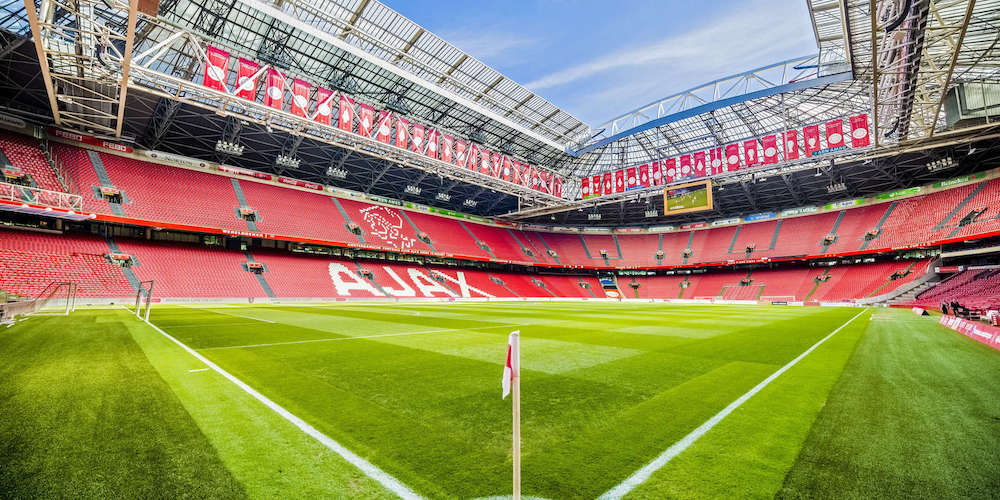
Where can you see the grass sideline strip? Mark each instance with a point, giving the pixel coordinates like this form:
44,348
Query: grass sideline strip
387,481
644,473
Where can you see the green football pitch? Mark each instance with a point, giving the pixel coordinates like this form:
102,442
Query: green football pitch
694,199
368,400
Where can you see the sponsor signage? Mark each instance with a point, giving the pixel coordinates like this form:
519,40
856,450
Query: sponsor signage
799,211
12,121
989,335
842,204
826,151
243,171
763,216
693,225
300,183
387,201
960,180
191,162
897,194
726,222
86,139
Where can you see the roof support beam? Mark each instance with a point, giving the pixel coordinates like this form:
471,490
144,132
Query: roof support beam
126,64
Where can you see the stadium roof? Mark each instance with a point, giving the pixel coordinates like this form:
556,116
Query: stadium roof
923,48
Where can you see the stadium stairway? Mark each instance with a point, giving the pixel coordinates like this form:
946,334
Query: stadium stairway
126,271
260,275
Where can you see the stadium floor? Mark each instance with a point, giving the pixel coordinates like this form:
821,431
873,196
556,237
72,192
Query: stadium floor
100,404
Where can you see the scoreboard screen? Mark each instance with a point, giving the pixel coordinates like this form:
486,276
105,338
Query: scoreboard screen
690,197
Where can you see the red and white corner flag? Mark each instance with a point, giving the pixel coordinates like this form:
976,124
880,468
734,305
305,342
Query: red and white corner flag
512,383
513,356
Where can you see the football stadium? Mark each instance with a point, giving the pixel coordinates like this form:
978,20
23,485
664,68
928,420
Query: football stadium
312,249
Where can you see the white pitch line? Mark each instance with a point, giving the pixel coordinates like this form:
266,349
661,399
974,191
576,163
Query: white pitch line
231,314
369,469
422,332
198,370
644,473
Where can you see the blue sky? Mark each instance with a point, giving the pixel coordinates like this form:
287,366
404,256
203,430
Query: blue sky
599,59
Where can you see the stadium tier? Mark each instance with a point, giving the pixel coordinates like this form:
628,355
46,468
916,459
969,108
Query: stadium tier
977,289
151,193
183,270
26,156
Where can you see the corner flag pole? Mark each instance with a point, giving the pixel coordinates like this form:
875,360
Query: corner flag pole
515,340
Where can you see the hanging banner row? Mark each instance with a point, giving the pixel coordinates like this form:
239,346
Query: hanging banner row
361,119
768,150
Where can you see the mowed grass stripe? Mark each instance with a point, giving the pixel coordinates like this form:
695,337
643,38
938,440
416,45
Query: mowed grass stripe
916,414
372,471
748,454
84,415
427,408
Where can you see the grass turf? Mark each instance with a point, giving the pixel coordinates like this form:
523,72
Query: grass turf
606,387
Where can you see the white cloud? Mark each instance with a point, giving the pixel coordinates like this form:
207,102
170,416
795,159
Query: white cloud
491,45
750,36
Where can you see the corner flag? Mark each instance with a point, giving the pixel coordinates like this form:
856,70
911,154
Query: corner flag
512,381
513,354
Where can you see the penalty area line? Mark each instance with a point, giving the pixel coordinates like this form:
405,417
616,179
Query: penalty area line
369,469
643,474
360,337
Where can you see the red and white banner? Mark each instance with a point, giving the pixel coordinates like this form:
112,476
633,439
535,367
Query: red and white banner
366,120
300,97
810,140
989,335
699,164
526,171
246,79
447,146
461,157
620,181
506,168
750,153
732,157
345,117
835,133
596,184
770,145
670,170
432,143
644,175
715,159
496,164
557,186
402,132
631,178
324,108
791,145
216,68
543,181
585,187
417,138
484,161
383,133
473,161
274,94
609,184
656,176
859,131
684,165
515,172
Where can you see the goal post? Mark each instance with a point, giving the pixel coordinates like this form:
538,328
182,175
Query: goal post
142,306
58,297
